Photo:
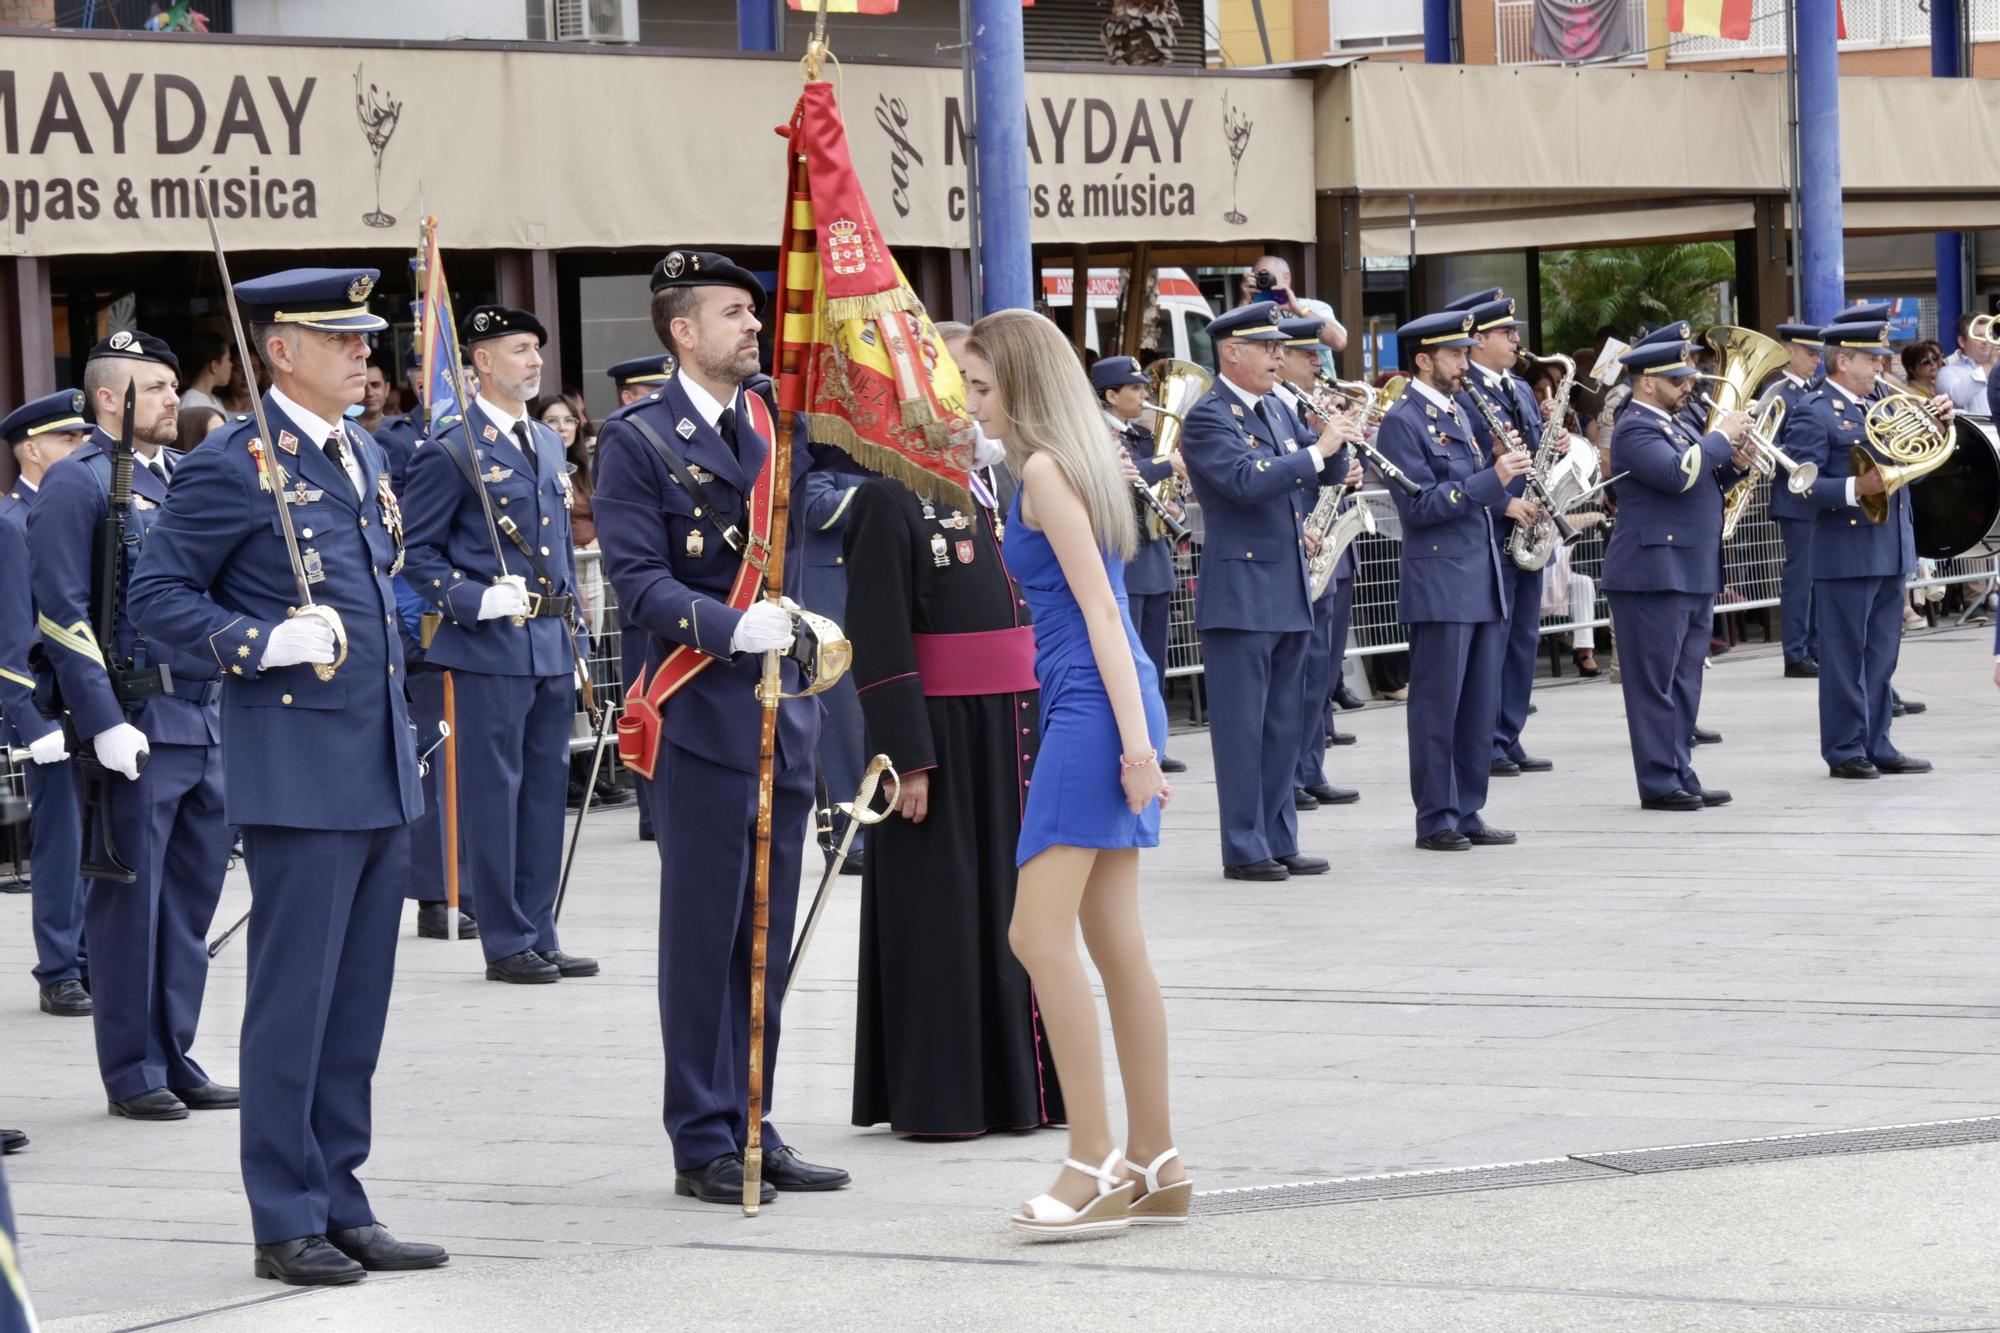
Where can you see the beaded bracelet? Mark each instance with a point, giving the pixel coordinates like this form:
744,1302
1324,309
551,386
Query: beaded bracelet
1124,763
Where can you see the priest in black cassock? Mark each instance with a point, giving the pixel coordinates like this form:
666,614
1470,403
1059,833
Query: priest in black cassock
948,1041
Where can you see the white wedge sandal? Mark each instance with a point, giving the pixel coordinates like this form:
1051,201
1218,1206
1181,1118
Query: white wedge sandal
1160,1206
1046,1217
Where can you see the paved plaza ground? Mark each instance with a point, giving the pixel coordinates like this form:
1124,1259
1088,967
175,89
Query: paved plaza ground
1818,956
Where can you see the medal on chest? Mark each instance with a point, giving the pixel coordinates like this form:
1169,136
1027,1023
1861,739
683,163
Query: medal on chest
965,551
694,543
940,551
315,569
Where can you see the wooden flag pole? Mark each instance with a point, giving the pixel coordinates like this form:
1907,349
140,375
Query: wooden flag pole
450,810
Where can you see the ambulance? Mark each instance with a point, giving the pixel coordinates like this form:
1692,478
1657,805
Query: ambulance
1183,312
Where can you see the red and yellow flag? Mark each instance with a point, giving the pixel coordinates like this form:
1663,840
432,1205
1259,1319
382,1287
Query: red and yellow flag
1727,19
855,351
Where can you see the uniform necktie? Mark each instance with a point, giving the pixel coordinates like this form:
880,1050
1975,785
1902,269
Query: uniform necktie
336,454
527,444
157,468
725,426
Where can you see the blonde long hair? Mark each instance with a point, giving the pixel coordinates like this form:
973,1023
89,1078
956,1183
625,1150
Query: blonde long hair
1052,411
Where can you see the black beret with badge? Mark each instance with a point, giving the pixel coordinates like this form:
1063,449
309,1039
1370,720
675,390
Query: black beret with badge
705,268
132,345
498,321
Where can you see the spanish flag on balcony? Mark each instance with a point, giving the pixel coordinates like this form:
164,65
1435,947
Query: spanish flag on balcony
1727,19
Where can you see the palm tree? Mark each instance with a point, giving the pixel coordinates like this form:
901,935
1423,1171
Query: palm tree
1625,288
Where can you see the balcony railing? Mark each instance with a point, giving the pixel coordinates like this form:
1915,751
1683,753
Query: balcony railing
1871,25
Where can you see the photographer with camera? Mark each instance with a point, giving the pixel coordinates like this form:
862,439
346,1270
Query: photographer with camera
1270,279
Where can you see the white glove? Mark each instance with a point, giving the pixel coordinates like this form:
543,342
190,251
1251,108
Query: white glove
503,599
49,749
762,629
122,749
986,451
305,639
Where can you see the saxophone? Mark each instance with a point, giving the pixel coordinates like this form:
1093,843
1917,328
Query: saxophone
1532,545
1333,523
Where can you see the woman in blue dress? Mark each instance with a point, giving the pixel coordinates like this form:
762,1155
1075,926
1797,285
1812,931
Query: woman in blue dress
1097,791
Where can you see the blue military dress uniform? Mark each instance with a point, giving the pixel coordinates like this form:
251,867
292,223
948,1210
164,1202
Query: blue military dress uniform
1662,571
514,683
148,951
321,775
829,489
398,438
1256,481
1797,519
1453,594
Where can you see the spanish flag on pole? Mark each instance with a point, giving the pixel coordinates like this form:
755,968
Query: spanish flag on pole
1727,19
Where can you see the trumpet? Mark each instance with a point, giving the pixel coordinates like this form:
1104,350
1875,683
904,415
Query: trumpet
1981,330
1766,417
1366,406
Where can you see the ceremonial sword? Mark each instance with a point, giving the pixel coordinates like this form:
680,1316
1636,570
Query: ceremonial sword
858,813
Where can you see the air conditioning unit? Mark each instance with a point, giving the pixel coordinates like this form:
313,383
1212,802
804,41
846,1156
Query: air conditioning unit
597,20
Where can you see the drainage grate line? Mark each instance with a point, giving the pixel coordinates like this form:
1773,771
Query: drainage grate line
1784,1147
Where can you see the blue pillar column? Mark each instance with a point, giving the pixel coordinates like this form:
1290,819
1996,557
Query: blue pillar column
1823,263
1006,250
756,25
1437,32
1950,244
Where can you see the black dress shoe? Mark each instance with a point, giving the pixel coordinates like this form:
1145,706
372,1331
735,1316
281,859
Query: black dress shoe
1295,864
570,965
647,835
1328,794
1172,765
1803,669
526,968
210,1096
12,1140
1530,764
1673,800
1703,736
432,924
1488,836
1902,763
1265,869
379,1252
1340,738
1533,709
1898,709
156,1104
1303,799
720,1181
1853,768
1714,796
1912,706
784,1169
308,1261
1505,768
855,864
1451,840
610,793
1347,698
66,999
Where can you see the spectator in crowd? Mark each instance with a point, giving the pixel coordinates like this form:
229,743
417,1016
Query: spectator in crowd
1922,363
374,396
209,367
234,395
194,424
1270,279
566,416
1963,376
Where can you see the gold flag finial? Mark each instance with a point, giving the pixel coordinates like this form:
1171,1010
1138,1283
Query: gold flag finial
816,47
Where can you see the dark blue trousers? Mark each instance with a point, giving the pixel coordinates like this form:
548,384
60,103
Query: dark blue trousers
1454,694
1325,645
1662,644
708,814
426,693
631,662
13,1314
513,774
325,906
1151,612
148,945
1517,668
841,749
55,833
1797,614
1861,633
1256,689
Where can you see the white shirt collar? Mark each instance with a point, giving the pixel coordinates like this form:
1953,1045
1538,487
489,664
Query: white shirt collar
703,401
1844,391
318,430
31,486
1798,381
1656,410
1249,398
504,420
1497,378
1118,427
1425,390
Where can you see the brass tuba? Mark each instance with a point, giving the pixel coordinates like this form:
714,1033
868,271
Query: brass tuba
1744,359
1912,440
1173,387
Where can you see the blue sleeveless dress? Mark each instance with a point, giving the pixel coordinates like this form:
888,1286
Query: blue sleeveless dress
1077,798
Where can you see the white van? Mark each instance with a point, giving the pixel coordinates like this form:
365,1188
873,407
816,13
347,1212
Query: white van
1184,312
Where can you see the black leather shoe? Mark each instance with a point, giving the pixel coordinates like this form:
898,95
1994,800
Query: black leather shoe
12,1140
1303,799
432,923
1673,800
1328,794
1488,836
66,999
1451,840
1853,768
855,864
647,835
1714,796
609,793
1295,864
1347,698
1903,707
526,968
784,1169
720,1181
1172,765
1902,763
1530,764
157,1104
379,1252
570,965
307,1262
1803,669
1340,738
1505,768
1263,870
210,1096
1703,736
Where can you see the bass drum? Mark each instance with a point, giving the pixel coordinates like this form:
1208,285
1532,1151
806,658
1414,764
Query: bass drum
1957,507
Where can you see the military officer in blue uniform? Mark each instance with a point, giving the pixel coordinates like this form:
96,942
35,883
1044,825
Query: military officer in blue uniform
1663,566
673,558
1301,364
42,433
506,637
322,773
156,733
635,378
829,489
1490,380
1453,594
1149,575
1796,516
1859,567
1256,481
